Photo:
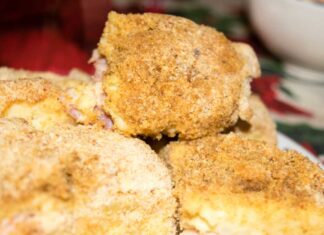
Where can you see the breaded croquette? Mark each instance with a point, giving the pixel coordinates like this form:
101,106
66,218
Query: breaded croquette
167,75
229,185
260,126
46,99
81,180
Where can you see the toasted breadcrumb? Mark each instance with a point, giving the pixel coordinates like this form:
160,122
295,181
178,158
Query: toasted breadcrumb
168,75
227,184
46,99
81,180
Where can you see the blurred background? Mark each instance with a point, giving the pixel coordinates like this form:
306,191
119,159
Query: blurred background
58,35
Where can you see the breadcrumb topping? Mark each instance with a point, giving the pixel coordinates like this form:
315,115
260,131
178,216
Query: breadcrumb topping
232,185
168,75
81,180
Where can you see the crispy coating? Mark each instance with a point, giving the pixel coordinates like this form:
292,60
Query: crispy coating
81,180
227,184
35,100
168,75
260,126
46,99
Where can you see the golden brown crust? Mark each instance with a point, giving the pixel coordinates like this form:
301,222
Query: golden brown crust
25,90
261,126
46,99
36,100
166,74
81,180
244,185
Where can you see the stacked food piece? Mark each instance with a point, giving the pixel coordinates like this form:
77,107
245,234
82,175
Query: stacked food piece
168,75
73,163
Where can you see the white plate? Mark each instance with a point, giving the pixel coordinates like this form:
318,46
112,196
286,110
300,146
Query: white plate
286,143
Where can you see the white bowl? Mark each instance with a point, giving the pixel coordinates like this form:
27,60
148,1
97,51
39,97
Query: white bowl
294,31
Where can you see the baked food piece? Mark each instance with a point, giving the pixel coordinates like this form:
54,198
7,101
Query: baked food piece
81,180
260,126
227,184
46,99
164,74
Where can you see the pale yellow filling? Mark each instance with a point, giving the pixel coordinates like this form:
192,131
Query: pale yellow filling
41,115
225,215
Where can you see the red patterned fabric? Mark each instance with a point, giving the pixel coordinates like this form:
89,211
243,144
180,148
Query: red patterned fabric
42,49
